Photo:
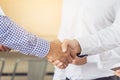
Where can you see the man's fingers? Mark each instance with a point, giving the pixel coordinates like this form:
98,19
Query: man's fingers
59,64
62,63
64,60
69,57
66,50
56,62
51,61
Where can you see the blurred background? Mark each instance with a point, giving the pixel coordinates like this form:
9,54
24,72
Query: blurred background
41,17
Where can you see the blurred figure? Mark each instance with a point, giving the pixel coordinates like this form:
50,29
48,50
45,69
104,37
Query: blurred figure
91,27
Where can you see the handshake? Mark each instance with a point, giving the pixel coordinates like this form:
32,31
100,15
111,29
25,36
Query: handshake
61,54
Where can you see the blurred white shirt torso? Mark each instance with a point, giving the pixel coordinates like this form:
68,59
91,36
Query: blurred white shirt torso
83,18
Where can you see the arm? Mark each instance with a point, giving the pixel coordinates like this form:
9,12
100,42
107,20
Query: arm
104,40
15,37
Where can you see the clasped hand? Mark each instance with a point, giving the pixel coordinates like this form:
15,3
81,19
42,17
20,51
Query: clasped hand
62,54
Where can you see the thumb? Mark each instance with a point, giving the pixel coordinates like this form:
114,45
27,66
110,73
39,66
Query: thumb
65,46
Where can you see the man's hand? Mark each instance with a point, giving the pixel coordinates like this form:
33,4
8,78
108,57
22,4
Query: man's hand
71,46
4,48
56,54
76,61
79,60
117,73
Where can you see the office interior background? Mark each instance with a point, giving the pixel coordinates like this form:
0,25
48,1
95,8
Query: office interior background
41,17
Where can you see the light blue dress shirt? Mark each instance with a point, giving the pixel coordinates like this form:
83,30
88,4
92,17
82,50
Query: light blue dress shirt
15,37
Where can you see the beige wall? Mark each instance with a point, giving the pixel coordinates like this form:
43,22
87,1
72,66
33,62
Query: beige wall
41,17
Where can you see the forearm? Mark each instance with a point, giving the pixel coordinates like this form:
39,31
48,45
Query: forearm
104,40
15,37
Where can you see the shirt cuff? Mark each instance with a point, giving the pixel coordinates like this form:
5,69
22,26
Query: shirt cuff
86,45
42,48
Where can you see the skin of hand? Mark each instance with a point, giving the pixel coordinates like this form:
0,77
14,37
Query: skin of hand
4,48
79,60
55,54
72,47
117,73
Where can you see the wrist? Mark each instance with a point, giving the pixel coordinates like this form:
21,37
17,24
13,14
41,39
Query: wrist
54,46
50,50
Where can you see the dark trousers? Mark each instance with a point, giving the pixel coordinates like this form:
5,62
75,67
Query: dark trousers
105,78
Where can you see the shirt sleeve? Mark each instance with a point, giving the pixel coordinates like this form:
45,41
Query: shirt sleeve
104,40
15,37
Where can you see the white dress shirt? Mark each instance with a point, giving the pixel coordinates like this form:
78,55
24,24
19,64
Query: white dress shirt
95,24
